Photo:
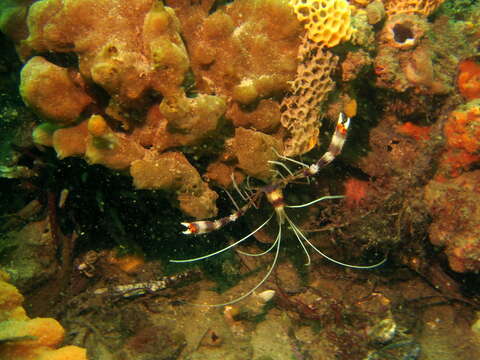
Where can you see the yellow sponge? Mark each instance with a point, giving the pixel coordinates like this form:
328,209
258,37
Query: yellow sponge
23,338
327,21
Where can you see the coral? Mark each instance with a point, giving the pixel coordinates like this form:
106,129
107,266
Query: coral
462,134
190,121
468,80
421,7
115,150
70,141
51,91
350,107
327,21
309,89
454,205
452,196
97,126
361,3
23,338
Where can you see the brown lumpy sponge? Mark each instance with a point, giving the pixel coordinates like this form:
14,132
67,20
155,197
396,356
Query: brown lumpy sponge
172,172
246,50
51,91
253,150
125,47
154,79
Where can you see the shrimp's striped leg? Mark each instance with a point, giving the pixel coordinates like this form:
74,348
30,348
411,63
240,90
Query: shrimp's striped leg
225,248
335,147
206,226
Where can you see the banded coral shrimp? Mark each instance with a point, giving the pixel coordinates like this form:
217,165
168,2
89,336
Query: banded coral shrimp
274,195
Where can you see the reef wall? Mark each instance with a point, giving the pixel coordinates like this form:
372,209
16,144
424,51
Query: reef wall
179,95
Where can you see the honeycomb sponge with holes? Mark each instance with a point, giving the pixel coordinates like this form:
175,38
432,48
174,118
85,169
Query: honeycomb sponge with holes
327,21
419,7
309,90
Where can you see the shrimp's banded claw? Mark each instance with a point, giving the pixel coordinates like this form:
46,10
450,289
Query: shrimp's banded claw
343,124
192,228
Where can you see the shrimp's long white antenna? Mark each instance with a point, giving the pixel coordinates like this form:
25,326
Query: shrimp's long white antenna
256,254
296,232
237,188
315,201
260,283
289,159
364,267
225,248
232,199
278,163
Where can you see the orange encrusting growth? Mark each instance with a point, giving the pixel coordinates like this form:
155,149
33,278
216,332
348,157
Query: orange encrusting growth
355,191
128,263
468,80
462,130
350,108
414,131
462,133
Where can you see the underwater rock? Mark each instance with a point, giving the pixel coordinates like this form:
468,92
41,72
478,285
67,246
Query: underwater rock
455,207
155,342
31,261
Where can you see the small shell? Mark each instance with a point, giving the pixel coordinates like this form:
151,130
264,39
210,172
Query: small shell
266,296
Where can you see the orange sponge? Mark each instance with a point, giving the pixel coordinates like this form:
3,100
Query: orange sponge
462,134
468,80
